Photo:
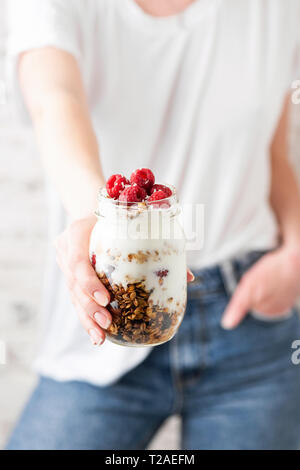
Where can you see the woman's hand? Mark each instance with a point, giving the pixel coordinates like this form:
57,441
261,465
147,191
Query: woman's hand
88,294
270,287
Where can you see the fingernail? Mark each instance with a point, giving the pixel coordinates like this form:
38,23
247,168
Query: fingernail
191,274
102,319
96,338
227,323
101,298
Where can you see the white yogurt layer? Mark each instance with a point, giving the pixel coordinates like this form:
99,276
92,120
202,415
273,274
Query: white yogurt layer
144,247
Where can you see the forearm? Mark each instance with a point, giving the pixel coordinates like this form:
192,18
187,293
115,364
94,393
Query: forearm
55,97
285,194
69,151
285,200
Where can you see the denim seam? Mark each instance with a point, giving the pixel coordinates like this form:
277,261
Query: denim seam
178,385
229,277
201,339
203,331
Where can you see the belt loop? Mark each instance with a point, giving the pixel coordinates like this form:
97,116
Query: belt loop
229,276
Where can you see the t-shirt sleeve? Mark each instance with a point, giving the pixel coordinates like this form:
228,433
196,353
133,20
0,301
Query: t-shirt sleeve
34,24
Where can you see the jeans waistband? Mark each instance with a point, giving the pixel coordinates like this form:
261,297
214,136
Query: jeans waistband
226,274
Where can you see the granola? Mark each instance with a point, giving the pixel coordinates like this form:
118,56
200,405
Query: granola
135,320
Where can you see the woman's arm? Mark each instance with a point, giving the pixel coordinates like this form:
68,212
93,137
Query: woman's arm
272,285
53,91
285,194
54,94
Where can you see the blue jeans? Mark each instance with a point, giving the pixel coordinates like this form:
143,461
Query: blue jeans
233,389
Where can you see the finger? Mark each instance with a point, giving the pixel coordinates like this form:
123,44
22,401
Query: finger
237,307
81,267
96,334
99,314
190,276
89,282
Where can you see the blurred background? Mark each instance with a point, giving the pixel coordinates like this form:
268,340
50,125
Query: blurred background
23,250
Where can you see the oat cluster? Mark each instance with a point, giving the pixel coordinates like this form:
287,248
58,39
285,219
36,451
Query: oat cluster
135,320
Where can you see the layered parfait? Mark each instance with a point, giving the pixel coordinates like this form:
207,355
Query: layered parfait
138,251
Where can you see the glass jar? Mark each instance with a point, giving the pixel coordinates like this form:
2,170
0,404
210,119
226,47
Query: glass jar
138,252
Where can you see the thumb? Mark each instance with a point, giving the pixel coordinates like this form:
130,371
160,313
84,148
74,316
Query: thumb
238,307
190,276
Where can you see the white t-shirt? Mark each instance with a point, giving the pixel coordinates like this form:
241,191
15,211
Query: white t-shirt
196,97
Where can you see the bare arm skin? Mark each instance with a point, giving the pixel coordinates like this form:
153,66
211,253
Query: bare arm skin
54,94
53,91
285,195
272,285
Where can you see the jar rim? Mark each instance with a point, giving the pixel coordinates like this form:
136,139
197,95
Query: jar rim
168,201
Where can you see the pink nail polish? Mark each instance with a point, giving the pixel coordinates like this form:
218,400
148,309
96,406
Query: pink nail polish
102,320
96,337
101,298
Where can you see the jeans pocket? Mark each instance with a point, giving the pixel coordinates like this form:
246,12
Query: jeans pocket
262,317
232,272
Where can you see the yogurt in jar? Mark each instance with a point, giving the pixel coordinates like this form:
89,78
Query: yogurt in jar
138,252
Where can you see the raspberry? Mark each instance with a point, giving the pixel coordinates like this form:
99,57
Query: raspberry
133,193
115,185
93,260
160,187
157,196
157,199
143,178
162,273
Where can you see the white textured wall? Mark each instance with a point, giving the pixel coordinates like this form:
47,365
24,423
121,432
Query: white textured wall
22,251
